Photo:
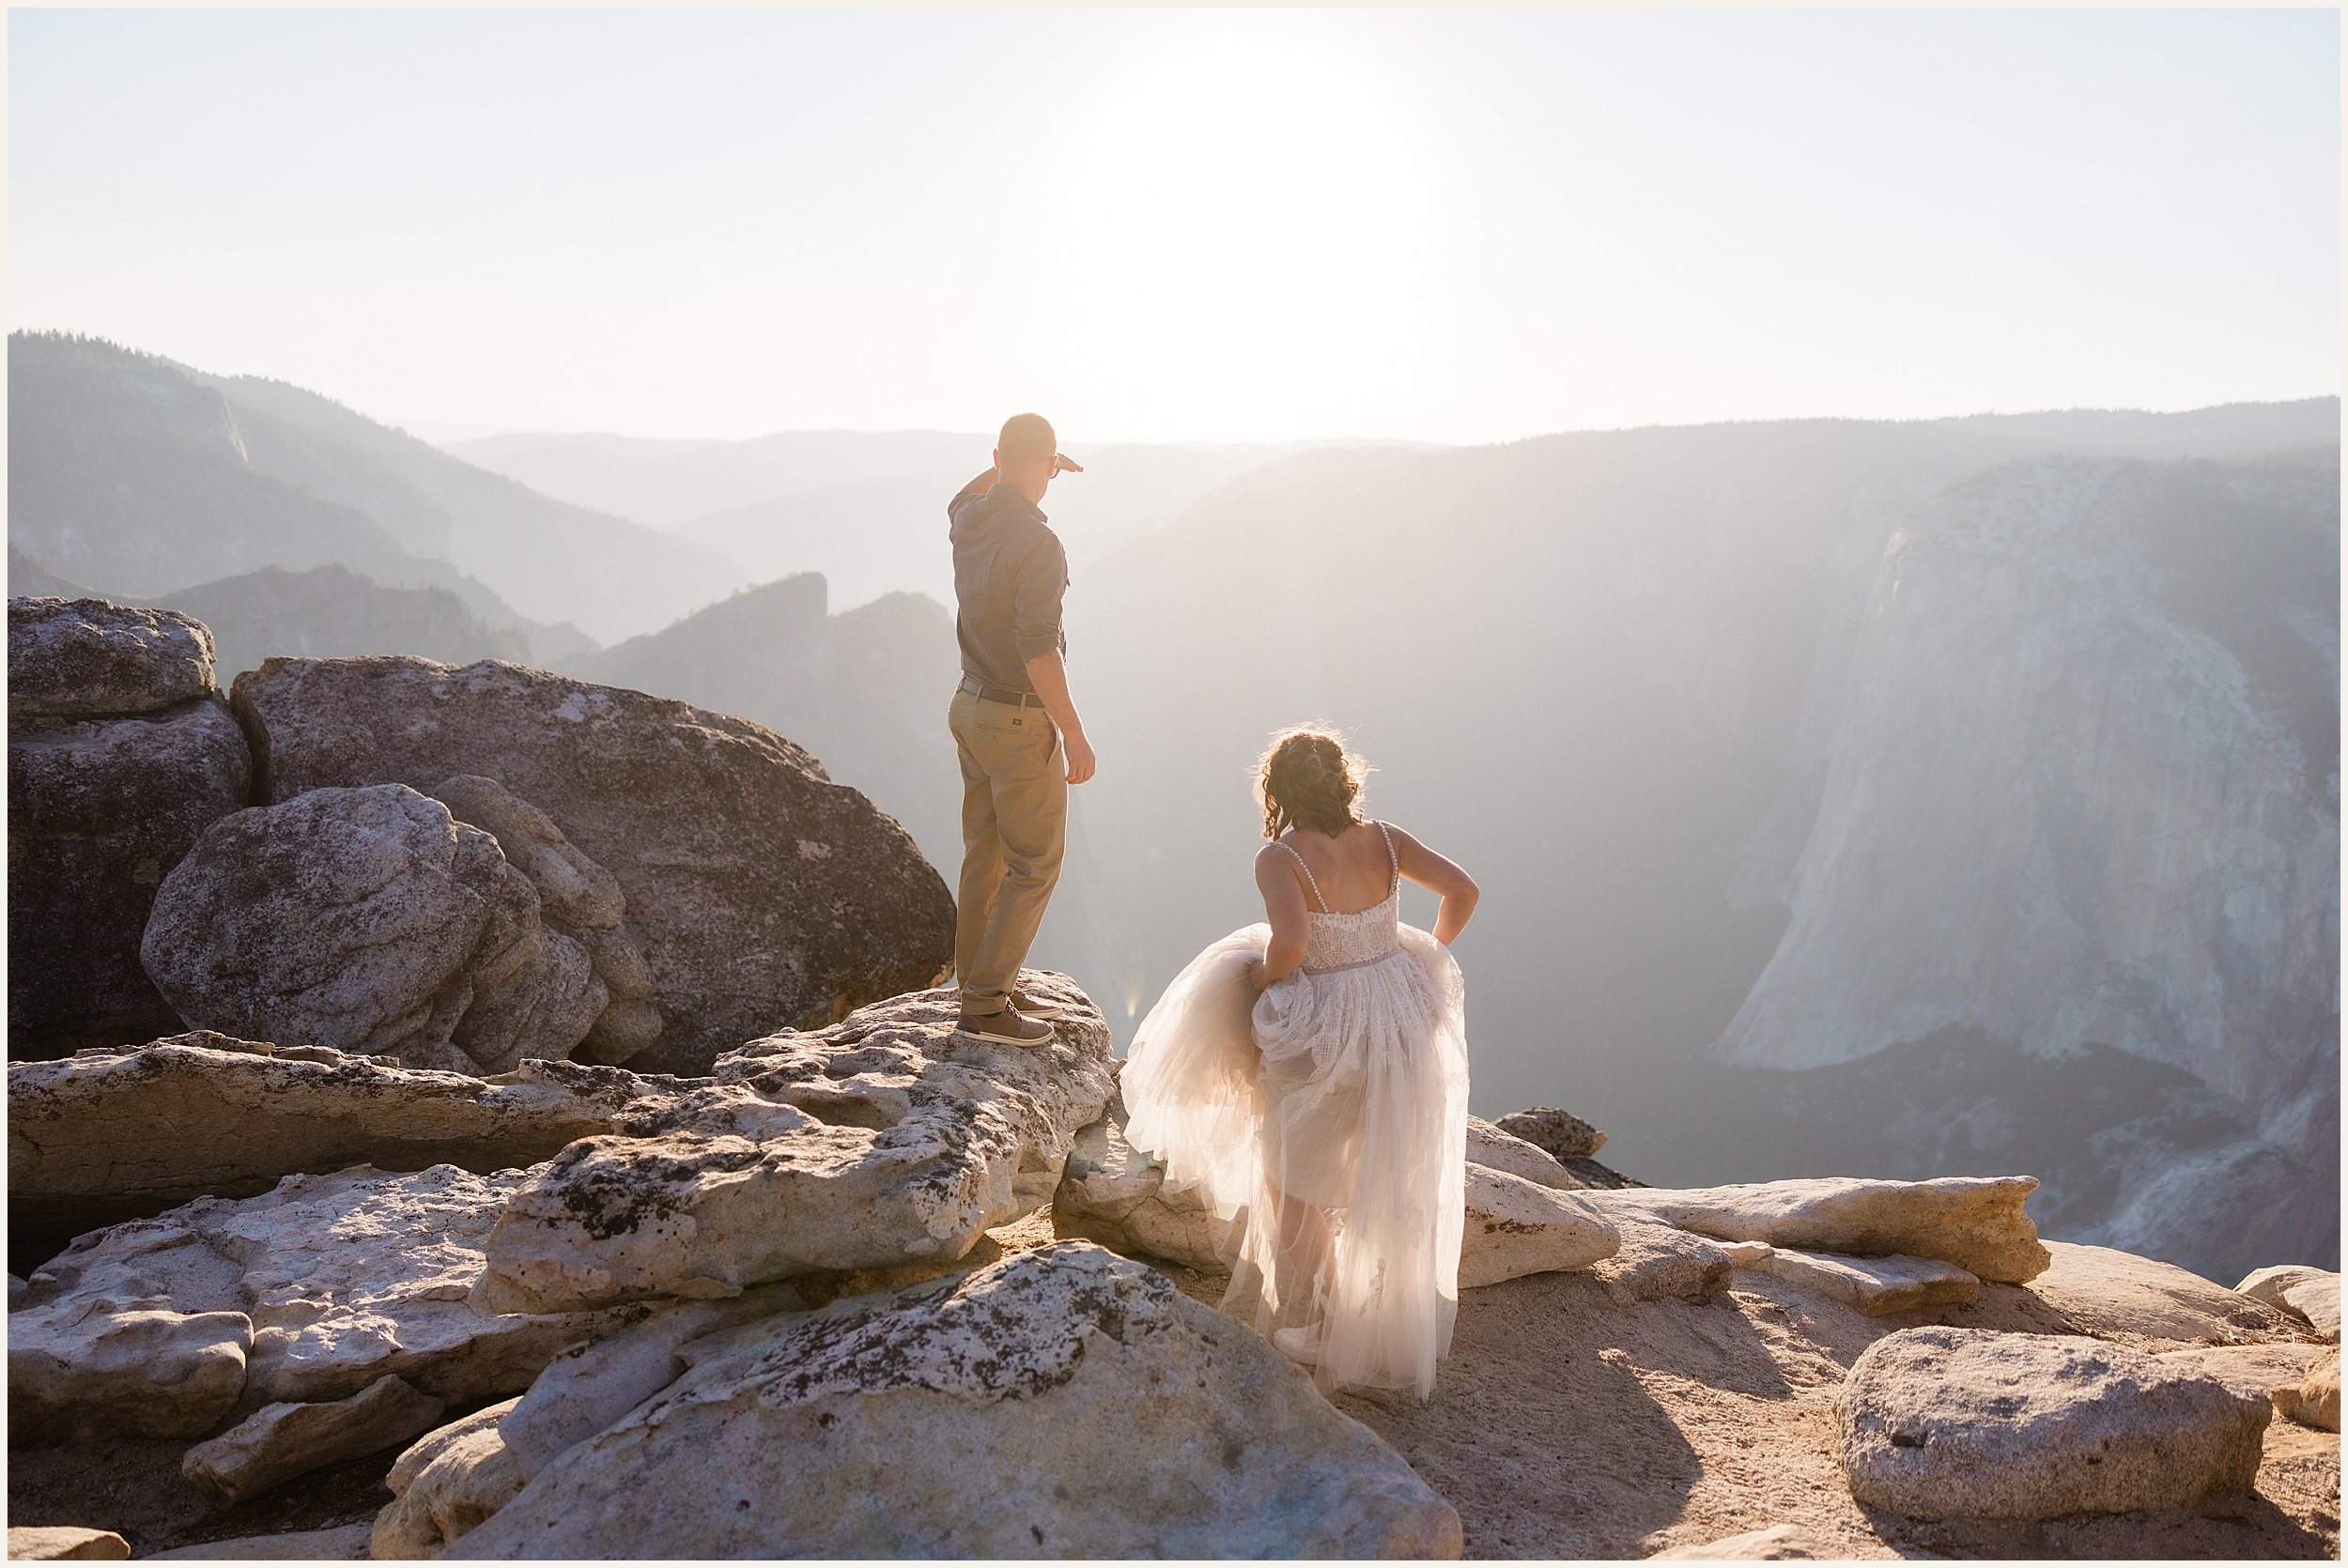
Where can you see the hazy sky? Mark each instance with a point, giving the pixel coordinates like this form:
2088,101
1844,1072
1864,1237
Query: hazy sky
1453,225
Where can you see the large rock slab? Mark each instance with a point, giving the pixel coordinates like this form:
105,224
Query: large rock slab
1975,1223
1652,1262
1880,1286
2311,1294
1777,1543
334,1281
765,895
883,1139
122,1364
590,1386
1558,1133
82,658
1489,1146
107,1136
448,1482
342,1543
1517,1227
1062,1403
65,1543
1939,1423
1113,1193
100,808
2154,1305
278,1442
2314,1400
2249,1368
369,920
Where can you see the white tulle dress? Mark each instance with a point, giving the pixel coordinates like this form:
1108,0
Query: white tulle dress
1328,1117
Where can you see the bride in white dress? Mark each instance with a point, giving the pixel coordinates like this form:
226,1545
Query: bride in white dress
1308,1077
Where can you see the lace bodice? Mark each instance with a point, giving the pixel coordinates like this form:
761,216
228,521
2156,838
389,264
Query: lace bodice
1362,937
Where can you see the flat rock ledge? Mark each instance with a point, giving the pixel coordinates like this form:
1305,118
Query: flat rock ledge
1939,1423
172,1327
1975,1223
2309,1293
1878,1287
886,1138
2155,1306
110,1135
1061,1403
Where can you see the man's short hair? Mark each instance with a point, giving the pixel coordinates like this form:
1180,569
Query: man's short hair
1025,437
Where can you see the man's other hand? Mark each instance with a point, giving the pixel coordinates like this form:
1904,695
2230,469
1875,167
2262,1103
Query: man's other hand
1062,464
1080,760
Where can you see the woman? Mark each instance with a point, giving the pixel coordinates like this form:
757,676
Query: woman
1308,1077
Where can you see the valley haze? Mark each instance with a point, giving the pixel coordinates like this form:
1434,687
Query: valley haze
1849,796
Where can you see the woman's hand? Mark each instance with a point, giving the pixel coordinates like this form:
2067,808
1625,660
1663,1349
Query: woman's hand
1255,982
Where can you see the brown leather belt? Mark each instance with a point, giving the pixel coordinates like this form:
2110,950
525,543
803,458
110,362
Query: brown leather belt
985,693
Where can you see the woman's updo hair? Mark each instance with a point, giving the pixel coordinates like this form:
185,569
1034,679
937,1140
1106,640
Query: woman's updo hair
1306,778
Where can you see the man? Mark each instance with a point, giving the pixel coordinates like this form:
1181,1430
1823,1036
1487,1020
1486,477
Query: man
1015,726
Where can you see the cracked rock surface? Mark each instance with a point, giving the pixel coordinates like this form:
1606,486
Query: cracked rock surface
971,1417
113,1135
307,1294
882,1138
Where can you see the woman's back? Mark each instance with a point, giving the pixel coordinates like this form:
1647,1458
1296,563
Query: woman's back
1351,871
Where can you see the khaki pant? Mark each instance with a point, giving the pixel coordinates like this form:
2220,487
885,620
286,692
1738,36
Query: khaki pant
1015,827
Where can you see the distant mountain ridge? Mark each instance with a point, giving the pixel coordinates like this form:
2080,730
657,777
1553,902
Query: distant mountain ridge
865,509
139,476
550,558
332,613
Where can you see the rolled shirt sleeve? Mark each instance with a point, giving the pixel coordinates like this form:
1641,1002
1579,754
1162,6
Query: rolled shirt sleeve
1036,611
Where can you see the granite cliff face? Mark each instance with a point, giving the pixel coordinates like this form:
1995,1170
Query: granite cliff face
2083,808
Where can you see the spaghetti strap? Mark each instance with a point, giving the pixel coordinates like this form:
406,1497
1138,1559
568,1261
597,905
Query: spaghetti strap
1393,861
1308,874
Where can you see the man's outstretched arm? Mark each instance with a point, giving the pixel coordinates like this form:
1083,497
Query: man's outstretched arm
980,485
1049,672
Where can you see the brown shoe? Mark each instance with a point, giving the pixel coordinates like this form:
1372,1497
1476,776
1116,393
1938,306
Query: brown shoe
1004,1028
1029,1005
